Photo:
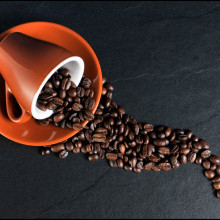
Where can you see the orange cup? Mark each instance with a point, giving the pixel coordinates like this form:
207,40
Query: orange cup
26,64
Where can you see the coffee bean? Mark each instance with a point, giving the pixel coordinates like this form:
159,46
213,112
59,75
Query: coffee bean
99,137
148,166
161,142
191,157
174,162
93,157
164,166
77,126
204,144
183,159
45,151
77,107
189,134
217,170
89,103
71,92
69,146
199,160
120,163
213,167
209,174
164,150
122,148
88,115
63,154
218,194
205,154
148,127
58,117
128,168
216,185
206,164
216,179
57,101
63,71
214,159
57,147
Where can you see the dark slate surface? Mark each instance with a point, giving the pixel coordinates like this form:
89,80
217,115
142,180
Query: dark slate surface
164,60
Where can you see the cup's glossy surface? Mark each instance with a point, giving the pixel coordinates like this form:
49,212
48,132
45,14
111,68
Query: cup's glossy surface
30,132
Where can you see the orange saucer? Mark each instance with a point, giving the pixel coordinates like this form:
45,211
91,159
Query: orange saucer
31,133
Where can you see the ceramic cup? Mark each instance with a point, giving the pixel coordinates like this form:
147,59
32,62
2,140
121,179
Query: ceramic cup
26,64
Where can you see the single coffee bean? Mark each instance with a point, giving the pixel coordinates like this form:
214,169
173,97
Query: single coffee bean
69,146
205,154
216,179
168,132
122,148
164,166
148,166
161,142
189,134
63,154
206,164
215,159
45,151
77,126
204,144
218,194
89,103
63,71
217,170
57,147
148,127
183,159
191,157
62,94
213,167
209,174
77,107
182,137
58,117
216,185
128,168
174,162
41,107
93,157
199,160
120,163
57,101
71,92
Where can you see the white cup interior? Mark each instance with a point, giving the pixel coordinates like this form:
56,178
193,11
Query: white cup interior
75,65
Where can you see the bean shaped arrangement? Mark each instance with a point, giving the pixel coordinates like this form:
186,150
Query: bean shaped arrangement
113,134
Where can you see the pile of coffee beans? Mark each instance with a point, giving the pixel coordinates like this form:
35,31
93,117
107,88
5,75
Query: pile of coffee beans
72,105
125,143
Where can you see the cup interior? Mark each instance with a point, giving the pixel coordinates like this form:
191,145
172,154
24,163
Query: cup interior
75,65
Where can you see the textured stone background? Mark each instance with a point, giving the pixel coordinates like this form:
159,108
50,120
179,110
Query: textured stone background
163,59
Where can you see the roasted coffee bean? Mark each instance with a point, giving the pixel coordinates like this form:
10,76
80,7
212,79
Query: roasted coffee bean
154,158
174,162
195,138
148,166
218,193
205,154
80,92
88,115
148,127
58,117
69,145
214,159
77,107
93,157
122,148
182,137
99,137
183,159
89,103
120,163
76,150
185,151
45,151
57,101
213,167
63,154
206,164
216,185
77,126
164,166
161,142
72,92
128,168
164,150
57,147
216,179
63,71
191,157
199,160
217,170
209,174
204,144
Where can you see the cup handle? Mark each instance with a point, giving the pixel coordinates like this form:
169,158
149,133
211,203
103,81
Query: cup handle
15,111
